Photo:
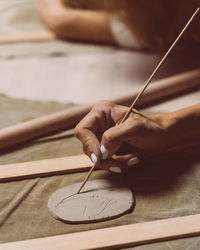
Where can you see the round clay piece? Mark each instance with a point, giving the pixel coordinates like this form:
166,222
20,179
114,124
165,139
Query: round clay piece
99,200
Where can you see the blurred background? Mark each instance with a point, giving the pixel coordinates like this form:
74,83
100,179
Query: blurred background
64,71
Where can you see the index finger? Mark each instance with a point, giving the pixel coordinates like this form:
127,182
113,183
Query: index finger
86,131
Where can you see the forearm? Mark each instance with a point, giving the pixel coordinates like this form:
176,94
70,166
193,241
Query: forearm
77,24
183,126
85,25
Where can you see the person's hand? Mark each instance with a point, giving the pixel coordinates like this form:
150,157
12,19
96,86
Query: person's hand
124,145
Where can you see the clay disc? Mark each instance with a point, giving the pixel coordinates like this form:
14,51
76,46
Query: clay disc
99,200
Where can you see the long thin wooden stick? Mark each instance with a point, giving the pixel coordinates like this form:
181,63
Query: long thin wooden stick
86,178
145,86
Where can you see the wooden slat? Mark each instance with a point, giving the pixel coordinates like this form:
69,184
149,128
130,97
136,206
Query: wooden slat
111,238
44,167
37,37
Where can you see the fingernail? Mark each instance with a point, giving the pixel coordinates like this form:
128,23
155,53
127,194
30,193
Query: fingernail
133,161
115,169
104,152
93,158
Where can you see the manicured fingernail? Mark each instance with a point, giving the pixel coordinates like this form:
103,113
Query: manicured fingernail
115,169
133,161
104,152
93,158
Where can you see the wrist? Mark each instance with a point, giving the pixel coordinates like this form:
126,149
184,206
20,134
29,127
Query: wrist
171,125
182,126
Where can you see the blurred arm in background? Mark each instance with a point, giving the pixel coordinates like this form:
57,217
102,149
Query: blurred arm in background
76,24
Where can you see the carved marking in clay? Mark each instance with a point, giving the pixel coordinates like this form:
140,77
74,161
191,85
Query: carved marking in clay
99,200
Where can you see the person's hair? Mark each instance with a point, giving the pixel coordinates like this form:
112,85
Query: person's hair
156,23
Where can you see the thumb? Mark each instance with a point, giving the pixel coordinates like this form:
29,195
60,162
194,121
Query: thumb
112,140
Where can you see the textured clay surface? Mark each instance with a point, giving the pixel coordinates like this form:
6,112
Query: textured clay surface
99,200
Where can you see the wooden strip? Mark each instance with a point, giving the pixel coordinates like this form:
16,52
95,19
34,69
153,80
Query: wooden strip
78,163
115,237
37,37
68,118
48,167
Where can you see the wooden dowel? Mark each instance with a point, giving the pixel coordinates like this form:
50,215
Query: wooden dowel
165,89
37,37
68,118
115,237
42,126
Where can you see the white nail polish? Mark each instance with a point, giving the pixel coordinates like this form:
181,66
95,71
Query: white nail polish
115,170
133,161
104,152
93,158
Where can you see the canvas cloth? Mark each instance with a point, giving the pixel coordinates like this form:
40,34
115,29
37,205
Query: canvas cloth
163,189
